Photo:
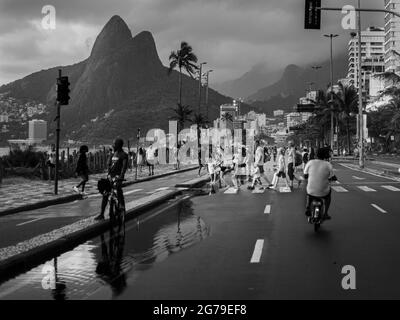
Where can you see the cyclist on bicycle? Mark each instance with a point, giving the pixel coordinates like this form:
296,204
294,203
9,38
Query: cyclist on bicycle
117,166
319,174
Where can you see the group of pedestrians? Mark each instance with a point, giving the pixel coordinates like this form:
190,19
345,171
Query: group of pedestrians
246,166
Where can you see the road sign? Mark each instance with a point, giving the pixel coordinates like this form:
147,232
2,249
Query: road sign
312,14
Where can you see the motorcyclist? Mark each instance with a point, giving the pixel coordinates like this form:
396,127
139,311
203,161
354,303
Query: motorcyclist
117,166
319,174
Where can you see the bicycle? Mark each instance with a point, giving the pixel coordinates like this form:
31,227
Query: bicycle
108,187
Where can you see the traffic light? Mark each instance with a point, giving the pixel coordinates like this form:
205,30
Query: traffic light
63,91
312,14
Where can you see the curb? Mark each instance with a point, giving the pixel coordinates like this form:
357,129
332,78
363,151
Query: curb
73,197
27,260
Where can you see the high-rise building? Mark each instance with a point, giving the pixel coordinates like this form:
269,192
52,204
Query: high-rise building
392,37
372,56
37,131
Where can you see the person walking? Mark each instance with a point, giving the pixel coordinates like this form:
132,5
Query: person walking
240,167
82,170
305,157
151,159
280,171
291,164
51,163
259,162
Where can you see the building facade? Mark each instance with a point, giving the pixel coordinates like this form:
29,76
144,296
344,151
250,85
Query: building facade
37,131
392,37
372,57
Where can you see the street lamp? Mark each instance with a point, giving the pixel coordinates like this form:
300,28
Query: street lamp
331,36
207,74
200,73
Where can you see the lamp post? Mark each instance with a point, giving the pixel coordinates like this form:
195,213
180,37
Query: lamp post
360,94
331,36
207,74
137,152
200,73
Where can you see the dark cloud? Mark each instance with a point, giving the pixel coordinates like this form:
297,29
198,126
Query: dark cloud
231,35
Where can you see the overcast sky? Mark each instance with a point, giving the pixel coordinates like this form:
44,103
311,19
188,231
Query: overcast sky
231,35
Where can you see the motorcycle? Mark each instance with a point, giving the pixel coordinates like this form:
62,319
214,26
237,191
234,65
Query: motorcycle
318,210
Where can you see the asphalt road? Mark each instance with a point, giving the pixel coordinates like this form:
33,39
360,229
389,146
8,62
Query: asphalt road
256,246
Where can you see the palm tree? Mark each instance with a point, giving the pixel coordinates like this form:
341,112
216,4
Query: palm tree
184,59
181,115
227,117
200,121
347,103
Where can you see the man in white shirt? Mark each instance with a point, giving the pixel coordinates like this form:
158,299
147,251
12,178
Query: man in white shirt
319,173
259,164
151,159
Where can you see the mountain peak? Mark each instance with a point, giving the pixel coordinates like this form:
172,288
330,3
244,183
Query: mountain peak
114,35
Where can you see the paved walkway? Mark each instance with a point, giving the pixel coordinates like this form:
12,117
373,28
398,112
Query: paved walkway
15,193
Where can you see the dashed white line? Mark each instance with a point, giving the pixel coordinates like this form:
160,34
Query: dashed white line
366,189
132,191
256,257
391,188
31,221
378,208
267,209
340,189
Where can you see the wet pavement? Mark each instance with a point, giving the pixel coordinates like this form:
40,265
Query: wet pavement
105,266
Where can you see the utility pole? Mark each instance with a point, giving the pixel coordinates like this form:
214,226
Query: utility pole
331,36
200,76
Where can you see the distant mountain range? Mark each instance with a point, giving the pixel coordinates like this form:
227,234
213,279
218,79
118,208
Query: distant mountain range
121,87
257,78
294,83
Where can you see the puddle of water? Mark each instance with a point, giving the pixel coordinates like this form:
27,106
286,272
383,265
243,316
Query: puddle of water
105,266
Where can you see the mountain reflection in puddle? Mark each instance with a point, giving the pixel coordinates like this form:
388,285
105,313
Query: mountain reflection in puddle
104,266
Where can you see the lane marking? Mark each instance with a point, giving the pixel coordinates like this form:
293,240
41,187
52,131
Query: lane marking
162,189
371,173
256,257
391,188
358,178
31,221
378,208
267,209
340,189
366,189
132,191
231,191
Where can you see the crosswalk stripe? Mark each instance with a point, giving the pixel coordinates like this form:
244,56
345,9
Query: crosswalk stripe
267,209
366,189
161,189
285,190
132,191
391,188
231,191
340,189
256,257
378,208
358,178
258,191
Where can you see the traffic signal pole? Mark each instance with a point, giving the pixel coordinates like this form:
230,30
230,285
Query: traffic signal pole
313,21
57,143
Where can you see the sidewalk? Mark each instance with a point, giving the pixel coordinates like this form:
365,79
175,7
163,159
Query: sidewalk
18,195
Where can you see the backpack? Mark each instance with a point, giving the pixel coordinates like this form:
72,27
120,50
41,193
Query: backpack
299,159
267,157
305,157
